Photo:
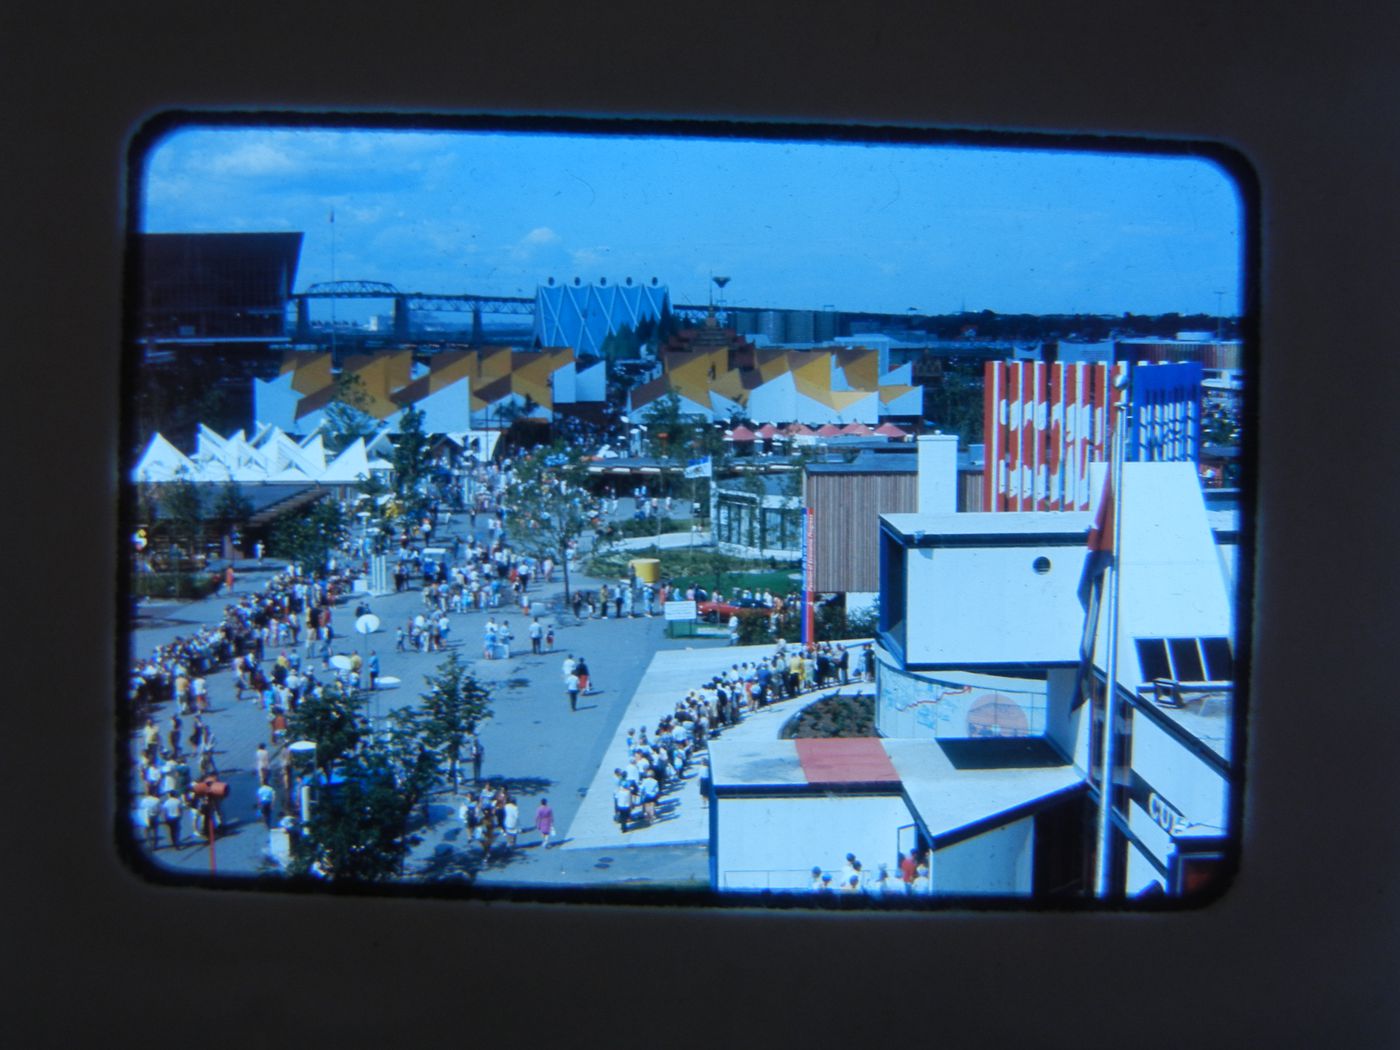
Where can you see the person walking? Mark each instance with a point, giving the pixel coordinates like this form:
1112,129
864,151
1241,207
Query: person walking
510,821
571,686
150,820
585,683
476,752
262,762
544,822
373,668
536,635
172,809
265,797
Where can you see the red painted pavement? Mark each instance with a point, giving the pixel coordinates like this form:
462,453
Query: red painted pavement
860,761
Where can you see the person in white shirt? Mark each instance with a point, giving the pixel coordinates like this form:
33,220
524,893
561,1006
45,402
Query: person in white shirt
622,804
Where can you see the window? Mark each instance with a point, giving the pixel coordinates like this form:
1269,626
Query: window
1185,659
893,588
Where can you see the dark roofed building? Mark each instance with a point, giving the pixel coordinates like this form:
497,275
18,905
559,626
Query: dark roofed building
195,286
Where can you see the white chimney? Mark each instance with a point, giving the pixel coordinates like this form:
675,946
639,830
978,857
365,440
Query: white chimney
938,473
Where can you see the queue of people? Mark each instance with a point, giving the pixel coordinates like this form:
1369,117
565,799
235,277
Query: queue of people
909,878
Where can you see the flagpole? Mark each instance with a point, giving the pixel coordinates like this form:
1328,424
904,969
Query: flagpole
1109,749
332,221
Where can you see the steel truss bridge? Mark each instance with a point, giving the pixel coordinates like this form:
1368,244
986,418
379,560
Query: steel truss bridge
406,303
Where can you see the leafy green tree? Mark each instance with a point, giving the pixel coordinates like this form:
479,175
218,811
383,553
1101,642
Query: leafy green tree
232,509
624,344
184,512
415,762
671,433
309,538
454,707
411,463
347,416
332,721
549,507
358,829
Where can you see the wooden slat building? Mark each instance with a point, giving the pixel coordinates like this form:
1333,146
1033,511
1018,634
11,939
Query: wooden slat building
847,500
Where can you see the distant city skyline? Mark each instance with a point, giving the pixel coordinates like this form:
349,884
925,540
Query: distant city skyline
794,224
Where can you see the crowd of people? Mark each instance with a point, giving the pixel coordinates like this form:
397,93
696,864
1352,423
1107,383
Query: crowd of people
177,775
657,760
491,818
909,878
291,609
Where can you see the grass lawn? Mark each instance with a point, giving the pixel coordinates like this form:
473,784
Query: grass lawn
686,566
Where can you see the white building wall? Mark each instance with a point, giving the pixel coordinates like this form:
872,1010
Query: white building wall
996,862
972,605
938,474
1069,729
447,411
862,603
774,843
909,403
563,384
1141,873
774,401
1194,788
591,383
275,402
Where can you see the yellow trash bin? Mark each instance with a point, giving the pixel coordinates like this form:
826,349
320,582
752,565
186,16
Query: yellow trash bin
648,570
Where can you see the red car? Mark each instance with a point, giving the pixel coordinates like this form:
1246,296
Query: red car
713,611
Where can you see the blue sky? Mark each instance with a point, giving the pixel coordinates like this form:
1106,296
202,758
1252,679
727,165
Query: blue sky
794,224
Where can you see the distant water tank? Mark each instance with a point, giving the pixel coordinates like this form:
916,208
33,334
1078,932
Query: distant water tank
745,322
771,323
801,326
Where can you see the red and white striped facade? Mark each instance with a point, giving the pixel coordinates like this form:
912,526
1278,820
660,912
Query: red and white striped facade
1043,424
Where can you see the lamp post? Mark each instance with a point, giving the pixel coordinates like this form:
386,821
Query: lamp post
1109,747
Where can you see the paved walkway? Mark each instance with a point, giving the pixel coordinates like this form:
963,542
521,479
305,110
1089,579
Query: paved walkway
534,744
683,815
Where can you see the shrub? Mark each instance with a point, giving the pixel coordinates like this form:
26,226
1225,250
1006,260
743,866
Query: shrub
174,584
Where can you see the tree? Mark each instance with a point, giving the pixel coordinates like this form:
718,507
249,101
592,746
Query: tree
347,416
358,829
455,706
232,509
308,539
184,511
332,721
415,762
624,344
411,463
548,508
670,432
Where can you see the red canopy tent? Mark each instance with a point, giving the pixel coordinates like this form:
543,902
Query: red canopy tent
889,430
827,430
741,433
768,432
857,430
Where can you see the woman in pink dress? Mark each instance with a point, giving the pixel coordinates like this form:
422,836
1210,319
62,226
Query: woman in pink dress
544,821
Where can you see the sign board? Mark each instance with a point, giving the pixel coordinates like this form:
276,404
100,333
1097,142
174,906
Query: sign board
367,624
680,611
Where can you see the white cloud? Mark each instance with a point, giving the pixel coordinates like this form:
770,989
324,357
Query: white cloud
252,159
540,235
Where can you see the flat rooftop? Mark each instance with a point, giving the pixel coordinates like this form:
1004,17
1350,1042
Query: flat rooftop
946,791
1069,525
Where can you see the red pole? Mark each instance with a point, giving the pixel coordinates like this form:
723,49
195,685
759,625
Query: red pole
209,826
